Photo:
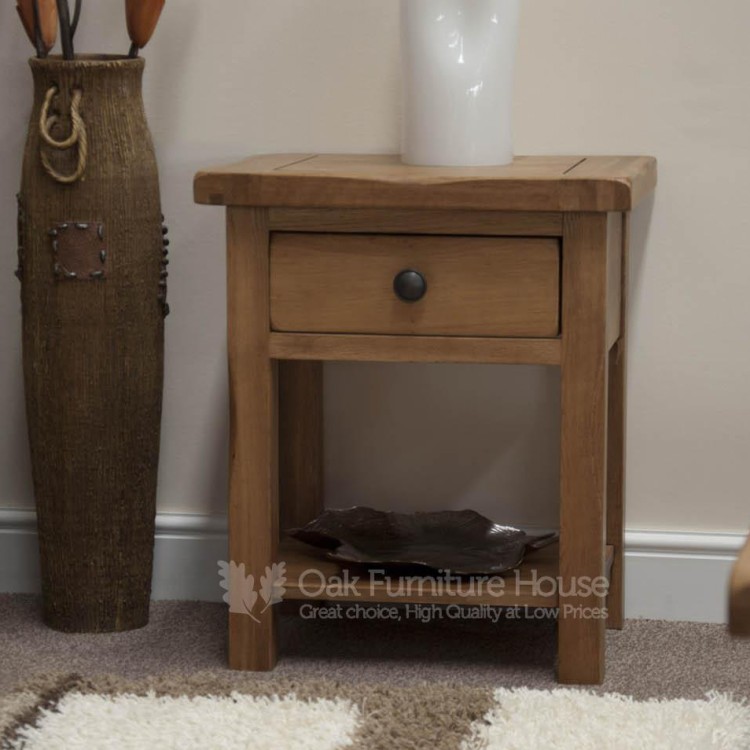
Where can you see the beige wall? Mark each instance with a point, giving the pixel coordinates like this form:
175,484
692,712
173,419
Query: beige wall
229,78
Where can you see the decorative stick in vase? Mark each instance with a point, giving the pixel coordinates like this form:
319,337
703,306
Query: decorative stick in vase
76,19
63,11
142,18
39,19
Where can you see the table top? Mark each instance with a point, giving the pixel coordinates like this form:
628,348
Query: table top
530,183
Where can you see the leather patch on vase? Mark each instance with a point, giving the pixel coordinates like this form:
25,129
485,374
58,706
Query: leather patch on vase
79,251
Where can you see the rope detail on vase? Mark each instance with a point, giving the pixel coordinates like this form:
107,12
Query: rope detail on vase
77,137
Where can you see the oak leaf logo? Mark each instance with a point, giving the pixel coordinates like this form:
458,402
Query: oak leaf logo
272,585
241,595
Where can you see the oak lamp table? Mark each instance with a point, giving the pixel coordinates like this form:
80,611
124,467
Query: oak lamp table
359,258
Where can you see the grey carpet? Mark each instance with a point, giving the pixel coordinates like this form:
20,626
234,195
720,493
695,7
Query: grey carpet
647,659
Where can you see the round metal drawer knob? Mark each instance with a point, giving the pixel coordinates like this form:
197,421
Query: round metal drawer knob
410,285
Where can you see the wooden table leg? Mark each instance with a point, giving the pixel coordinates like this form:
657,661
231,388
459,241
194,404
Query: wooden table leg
739,595
253,472
300,442
616,415
581,625
616,483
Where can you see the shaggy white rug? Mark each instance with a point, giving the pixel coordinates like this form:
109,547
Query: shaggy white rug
234,722
576,720
318,716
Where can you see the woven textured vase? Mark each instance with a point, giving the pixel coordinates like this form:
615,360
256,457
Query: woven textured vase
92,265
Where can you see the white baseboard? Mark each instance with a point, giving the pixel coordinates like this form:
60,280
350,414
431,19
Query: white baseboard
669,575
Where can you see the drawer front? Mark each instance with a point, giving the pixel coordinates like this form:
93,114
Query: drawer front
463,286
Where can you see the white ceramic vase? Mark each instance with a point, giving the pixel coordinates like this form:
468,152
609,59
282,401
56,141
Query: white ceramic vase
458,68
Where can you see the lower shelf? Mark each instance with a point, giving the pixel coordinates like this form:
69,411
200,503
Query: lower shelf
312,577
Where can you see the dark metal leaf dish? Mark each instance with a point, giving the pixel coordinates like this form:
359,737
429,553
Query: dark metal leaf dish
461,541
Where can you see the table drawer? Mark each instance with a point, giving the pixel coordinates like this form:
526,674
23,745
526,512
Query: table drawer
466,286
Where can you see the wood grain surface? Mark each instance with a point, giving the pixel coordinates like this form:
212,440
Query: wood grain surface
530,183
253,463
583,441
476,286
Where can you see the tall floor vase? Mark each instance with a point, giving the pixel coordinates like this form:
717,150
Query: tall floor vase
92,265
458,69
